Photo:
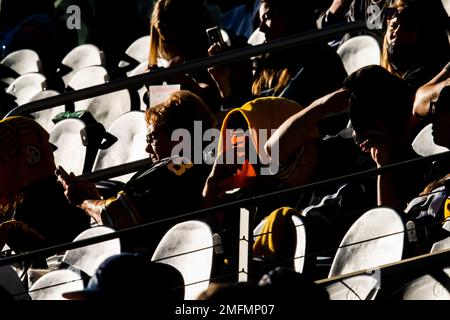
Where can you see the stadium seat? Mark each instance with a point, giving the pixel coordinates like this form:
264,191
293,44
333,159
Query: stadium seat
108,107
370,242
137,52
138,103
89,258
424,145
105,108
52,285
441,245
71,152
300,247
26,86
358,52
446,4
44,117
78,58
130,130
140,69
188,246
432,286
21,62
361,287
10,281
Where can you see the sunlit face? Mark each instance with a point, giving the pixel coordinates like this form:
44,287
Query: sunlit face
401,26
272,23
159,144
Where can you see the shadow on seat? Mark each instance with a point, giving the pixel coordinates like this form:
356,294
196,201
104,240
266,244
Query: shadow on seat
130,131
21,62
136,53
44,117
71,152
52,285
433,286
188,246
10,281
78,58
424,144
87,259
26,86
375,239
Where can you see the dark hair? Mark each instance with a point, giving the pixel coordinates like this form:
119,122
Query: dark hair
379,95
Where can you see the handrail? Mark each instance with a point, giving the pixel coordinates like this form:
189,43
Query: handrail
239,203
192,66
407,268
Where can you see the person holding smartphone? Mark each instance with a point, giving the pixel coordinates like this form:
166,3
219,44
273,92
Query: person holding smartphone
300,74
177,35
171,185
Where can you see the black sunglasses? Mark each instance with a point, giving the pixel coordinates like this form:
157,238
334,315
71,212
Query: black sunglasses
404,14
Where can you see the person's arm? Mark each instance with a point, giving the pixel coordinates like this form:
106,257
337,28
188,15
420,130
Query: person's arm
296,130
336,13
233,81
83,195
430,92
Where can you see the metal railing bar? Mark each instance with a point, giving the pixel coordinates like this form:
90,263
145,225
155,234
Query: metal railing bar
192,66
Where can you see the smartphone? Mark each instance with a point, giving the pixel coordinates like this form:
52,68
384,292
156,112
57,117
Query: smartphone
215,36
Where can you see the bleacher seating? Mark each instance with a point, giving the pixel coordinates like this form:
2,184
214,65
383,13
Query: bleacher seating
21,62
44,117
52,285
71,152
78,58
188,246
26,86
89,258
130,130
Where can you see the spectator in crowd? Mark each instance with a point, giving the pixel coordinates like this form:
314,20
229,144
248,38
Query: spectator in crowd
432,206
300,74
171,186
415,45
177,35
33,208
342,11
379,122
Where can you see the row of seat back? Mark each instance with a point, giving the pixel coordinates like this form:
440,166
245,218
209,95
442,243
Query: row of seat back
129,129
190,247
77,265
19,63
187,246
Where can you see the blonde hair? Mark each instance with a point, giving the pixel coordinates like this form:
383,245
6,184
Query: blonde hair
186,23
180,110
